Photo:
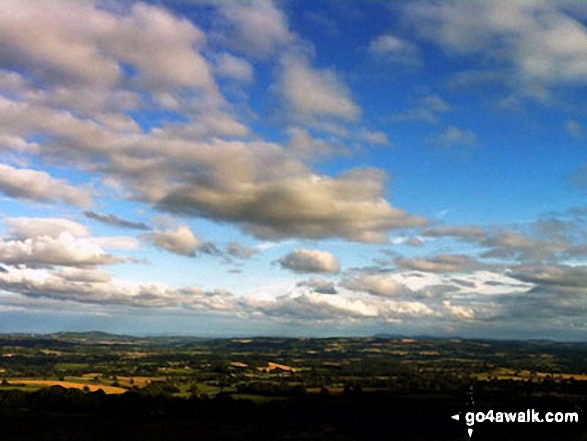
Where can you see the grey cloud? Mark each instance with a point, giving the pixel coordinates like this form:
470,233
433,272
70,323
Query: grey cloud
382,285
310,261
210,248
253,184
441,263
180,241
468,283
236,249
460,232
522,247
39,186
552,239
187,168
114,220
561,276
319,285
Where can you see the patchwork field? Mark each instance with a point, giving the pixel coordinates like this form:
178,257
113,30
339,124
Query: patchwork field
15,382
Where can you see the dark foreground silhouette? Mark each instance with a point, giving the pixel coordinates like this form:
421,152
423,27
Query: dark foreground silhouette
57,413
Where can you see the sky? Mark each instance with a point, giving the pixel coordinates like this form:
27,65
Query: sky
294,168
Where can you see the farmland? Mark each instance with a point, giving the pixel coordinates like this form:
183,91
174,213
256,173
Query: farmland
258,376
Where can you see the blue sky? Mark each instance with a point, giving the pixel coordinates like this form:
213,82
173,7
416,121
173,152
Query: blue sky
294,168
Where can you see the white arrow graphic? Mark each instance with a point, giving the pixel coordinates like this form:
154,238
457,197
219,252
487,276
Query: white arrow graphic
455,417
470,432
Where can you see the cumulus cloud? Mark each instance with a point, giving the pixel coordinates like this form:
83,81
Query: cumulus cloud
396,50
91,286
162,47
319,285
257,28
315,93
181,167
381,285
286,201
180,241
25,227
325,308
116,221
96,287
255,184
236,249
58,242
39,186
234,67
64,249
310,261
538,41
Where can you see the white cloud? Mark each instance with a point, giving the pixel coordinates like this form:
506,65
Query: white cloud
383,285
316,93
538,40
180,241
396,50
429,110
96,287
257,28
25,227
39,186
182,167
310,261
54,241
455,136
234,67
162,47
64,249
255,184
316,308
